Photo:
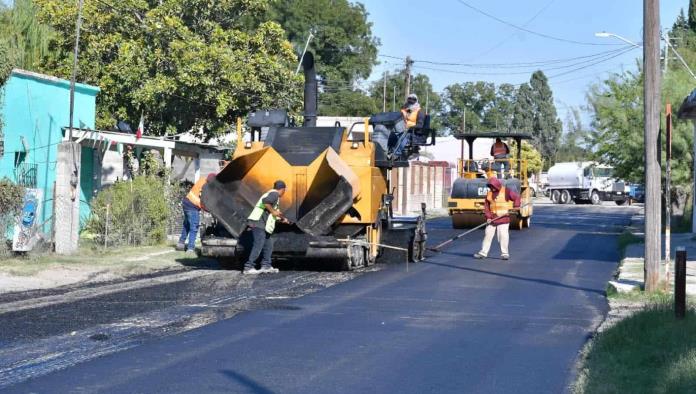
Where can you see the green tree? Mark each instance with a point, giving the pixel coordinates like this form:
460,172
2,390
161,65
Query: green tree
343,42
535,162
573,145
396,91
25,37
547,127
347,103
476,98
523,110
617,137
344,46
186,65
396,95
500,115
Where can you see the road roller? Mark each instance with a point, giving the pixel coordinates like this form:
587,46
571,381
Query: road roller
337,199
466,202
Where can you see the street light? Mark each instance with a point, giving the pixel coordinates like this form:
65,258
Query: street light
604,34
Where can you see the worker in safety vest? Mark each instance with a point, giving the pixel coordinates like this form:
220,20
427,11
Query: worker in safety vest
501,153
497,217
192,206
413,117
262,221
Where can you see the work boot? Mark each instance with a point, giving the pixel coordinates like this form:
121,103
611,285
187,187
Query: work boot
191,253
180,247
480,255
269,270
505,257
251,271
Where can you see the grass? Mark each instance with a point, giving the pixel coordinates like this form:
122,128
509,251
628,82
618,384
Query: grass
649,352
625,239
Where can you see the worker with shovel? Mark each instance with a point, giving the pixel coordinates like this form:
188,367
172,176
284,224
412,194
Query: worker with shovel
497,217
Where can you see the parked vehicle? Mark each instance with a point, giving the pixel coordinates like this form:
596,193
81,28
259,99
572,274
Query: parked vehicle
585,182
637,193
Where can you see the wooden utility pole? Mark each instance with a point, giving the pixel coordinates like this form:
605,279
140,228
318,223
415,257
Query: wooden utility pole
666,62
409,63
668,191
651,95
384,93
78,25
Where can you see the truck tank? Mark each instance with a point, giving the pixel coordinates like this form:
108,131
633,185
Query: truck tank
336,197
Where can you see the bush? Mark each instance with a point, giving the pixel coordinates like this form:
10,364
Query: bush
137,212
11,199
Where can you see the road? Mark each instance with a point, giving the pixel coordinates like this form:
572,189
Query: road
449,324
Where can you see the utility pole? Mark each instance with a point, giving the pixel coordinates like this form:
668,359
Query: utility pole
409,63
427,101
651,94
394,99
78,25
668,191
665,65
384,93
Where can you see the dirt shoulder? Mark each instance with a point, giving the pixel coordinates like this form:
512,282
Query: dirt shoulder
87,267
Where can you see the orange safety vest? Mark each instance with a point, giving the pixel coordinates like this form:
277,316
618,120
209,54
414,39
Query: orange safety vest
498,205
499,149
410,119
195,194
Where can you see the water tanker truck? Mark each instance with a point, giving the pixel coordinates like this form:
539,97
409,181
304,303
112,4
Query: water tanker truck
585,182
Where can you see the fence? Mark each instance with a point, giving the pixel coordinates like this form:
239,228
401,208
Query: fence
422,182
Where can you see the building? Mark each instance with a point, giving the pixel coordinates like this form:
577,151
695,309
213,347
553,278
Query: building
35,111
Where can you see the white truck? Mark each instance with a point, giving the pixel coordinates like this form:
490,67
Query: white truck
585,182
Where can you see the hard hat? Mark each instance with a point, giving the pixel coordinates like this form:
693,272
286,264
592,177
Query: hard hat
413,96
279,185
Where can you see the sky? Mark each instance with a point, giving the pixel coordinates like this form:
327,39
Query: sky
447,31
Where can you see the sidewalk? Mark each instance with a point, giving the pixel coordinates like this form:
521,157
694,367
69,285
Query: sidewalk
631,274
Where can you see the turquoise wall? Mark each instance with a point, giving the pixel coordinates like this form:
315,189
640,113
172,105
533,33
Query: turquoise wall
37,108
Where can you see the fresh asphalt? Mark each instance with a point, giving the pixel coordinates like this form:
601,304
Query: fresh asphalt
449,324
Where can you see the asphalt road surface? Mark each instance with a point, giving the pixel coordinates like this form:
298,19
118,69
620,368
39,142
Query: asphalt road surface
449,324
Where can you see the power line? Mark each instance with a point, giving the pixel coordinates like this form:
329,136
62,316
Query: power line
527,23
512,64
524,29
590,61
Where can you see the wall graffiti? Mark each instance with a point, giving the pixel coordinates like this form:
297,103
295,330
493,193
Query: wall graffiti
27,229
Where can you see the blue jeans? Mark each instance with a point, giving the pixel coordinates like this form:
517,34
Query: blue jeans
262,243
191,221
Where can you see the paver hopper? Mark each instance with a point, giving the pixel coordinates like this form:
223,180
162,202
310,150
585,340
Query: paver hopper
336,197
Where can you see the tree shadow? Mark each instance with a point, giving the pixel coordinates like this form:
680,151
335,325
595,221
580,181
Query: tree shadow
250,384
521,278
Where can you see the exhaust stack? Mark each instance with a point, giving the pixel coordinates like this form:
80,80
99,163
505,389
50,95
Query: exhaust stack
310,90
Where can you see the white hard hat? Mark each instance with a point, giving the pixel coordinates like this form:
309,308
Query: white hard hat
413,96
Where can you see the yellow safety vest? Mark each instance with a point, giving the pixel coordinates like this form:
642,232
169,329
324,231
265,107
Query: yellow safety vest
260,208
194,195
498,205
410,119
499,149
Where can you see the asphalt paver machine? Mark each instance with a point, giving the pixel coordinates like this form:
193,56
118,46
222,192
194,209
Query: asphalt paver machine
337,197
466,202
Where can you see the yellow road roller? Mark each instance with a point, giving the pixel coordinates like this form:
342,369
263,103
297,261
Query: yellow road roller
337,197
466,202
